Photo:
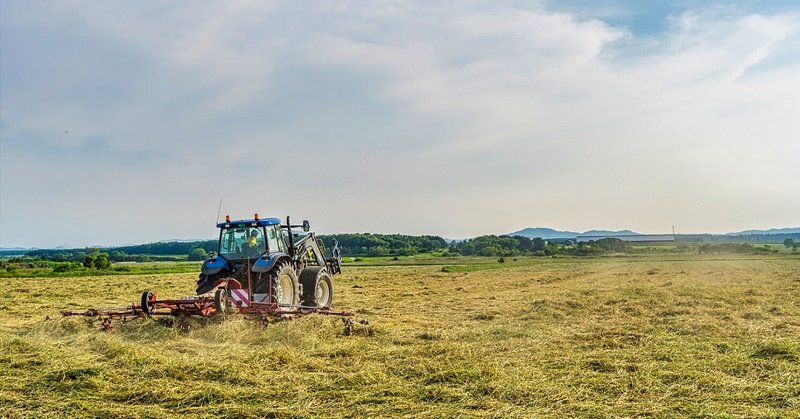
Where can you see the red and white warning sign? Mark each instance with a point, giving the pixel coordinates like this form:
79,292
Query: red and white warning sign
239,298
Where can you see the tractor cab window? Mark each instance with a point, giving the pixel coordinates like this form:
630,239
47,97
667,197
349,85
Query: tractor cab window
242,243
282,246
273,235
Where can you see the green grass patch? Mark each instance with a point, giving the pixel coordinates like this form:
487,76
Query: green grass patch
121,268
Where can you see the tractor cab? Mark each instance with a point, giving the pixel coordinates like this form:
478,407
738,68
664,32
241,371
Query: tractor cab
242,243
250,239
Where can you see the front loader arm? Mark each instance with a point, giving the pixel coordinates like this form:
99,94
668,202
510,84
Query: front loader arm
309,245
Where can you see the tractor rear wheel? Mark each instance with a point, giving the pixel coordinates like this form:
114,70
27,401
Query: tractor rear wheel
285,286
317,287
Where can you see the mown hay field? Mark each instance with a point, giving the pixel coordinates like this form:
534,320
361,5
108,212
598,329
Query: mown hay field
615,337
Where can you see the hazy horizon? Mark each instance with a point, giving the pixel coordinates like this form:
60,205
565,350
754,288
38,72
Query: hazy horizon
215,231
127,122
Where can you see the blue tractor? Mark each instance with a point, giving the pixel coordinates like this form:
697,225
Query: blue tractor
274,262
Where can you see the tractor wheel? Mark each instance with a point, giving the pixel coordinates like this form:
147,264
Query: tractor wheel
317,287
221,301
147,302
285,286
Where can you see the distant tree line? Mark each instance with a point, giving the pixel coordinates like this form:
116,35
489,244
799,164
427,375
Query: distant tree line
366,244
93,259
96,260
140,253
735,248
524,246
14,263
169,248
498,246
363,244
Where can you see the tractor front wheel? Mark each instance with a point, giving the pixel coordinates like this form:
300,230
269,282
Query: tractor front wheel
323,293
317,287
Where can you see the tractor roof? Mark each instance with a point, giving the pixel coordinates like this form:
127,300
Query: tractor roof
261,222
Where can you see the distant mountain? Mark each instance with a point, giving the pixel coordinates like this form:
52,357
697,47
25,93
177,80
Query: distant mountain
788,230
545,233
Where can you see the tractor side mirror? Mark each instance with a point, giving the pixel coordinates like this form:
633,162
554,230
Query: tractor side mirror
306,226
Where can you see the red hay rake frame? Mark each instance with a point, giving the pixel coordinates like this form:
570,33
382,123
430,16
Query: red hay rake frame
205,306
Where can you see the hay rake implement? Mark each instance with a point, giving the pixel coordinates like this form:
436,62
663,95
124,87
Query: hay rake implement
262,269
206,307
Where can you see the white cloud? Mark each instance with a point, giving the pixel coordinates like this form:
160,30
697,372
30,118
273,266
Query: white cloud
451,113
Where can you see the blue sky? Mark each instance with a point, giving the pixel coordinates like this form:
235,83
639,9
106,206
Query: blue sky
126,122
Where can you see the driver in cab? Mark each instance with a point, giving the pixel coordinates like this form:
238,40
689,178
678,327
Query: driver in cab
250,247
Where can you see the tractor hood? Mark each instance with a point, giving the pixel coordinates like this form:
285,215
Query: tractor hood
266,262
214,265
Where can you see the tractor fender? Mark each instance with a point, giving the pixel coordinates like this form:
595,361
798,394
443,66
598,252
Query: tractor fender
266,262
214,265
